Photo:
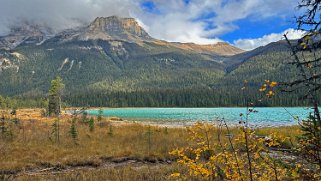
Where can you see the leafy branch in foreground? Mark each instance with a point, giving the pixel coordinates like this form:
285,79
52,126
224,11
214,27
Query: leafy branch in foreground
310,81
224,158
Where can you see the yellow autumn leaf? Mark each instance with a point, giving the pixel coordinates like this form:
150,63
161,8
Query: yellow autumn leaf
262,89
273,84
175,175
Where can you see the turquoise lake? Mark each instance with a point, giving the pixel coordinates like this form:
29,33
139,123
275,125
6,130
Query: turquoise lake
183,116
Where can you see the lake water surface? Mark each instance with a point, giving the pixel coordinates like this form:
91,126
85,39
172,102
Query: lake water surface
185,116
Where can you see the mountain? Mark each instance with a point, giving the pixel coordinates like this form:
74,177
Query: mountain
114,62
115,28
220,48
108,29
127,29
25,33
236,60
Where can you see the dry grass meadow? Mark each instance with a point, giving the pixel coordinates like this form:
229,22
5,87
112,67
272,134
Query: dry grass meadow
112,150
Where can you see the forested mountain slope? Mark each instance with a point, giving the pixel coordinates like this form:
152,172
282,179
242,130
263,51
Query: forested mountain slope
114,62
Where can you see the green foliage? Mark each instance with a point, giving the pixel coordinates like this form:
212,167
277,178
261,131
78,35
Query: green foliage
100,114
56,87
5,129
73,130
91,124
84,117
55,131
2,102
310,140
10,103
55,92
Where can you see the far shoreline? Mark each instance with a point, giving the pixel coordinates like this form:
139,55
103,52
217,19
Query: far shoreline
105,108
36,114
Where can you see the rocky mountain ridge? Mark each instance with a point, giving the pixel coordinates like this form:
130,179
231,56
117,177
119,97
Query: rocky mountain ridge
105,28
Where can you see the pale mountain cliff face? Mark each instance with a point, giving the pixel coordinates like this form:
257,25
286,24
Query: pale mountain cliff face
11,61
115,28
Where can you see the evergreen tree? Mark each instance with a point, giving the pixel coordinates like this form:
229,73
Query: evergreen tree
55,93
55,131
84,118
73,130
100,114
91,124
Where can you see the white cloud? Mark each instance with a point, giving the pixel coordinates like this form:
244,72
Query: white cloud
61,14
177,21
250,44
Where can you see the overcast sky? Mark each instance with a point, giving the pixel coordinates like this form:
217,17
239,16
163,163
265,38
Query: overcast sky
246,24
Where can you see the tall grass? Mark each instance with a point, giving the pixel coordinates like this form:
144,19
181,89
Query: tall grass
31,146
